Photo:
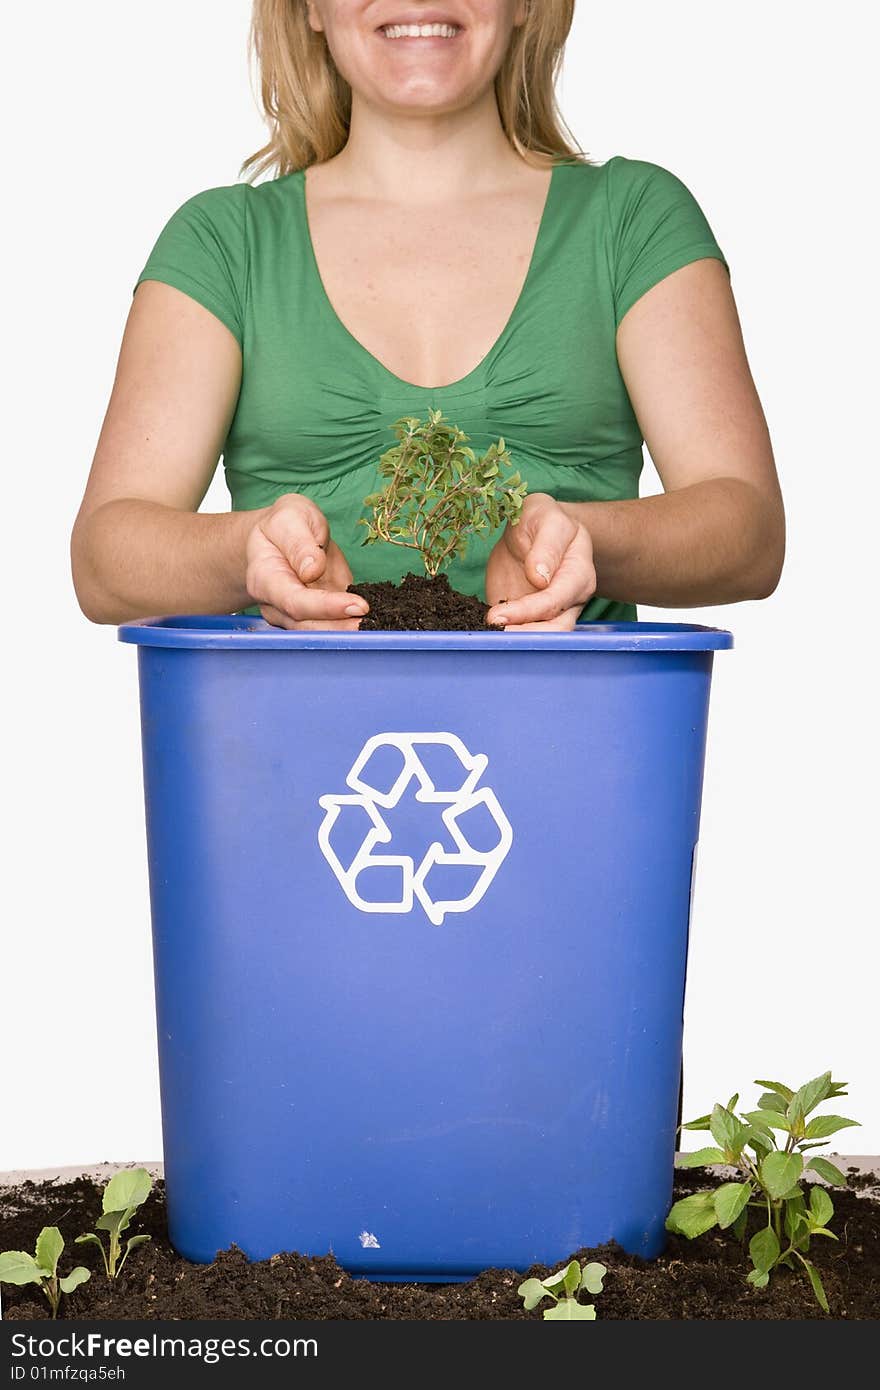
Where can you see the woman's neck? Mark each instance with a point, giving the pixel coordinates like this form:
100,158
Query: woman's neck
425,159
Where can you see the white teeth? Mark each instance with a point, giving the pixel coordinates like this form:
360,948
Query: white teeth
420,31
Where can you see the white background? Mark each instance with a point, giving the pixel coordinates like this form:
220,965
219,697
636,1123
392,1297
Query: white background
119,113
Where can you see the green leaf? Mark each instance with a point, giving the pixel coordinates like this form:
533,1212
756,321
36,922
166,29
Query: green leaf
18,1267
74,1279
571,1280
592,1276
828,1171
89,1237
531,1291
796,1218
772,1100
740,1224
112,1220
732,1103
700,1158
818,1287
784,1091
730,1199
728,1132
821,1206
568,1309
812,1093
129,1188
50,1243
759,1277
693,1216
761,1140
767,1119
701,1123
822,1125
764,1249
779,1171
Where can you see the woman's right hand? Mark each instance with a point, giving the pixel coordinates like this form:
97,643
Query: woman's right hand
296,573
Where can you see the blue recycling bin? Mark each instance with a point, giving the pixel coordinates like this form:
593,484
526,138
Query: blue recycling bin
420,908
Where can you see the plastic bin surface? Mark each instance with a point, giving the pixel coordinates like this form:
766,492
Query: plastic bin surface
420,914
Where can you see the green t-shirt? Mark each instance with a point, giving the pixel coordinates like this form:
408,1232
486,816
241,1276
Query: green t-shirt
315,407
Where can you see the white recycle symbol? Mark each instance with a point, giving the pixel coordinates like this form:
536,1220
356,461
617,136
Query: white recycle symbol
457,800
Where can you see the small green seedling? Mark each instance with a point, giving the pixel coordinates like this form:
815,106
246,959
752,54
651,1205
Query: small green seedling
770,1169
438,492
563,1287
18,1267
123,1195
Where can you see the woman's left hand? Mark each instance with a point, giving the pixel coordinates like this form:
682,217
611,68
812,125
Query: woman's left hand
540,573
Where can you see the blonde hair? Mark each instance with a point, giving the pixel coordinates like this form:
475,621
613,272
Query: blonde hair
307,102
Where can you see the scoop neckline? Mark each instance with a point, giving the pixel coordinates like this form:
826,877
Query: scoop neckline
364,352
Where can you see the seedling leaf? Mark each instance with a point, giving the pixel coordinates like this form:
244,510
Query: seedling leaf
531,1291
828,1171
127,1189
572,1278
764,1249
812,1093
730,1199
779,1171
568,1309
50,1244
784,1091
818,1287
821,1206
592,1277
74,1279
824,1125
692,1216
700,1157
767,1119
728,1132
18,1267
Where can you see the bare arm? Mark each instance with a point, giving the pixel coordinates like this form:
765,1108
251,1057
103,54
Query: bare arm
139,546
717,533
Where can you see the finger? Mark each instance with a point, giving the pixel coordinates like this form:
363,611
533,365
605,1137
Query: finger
337,574
551,537
278,619
281,589
574,583
301,533
564,623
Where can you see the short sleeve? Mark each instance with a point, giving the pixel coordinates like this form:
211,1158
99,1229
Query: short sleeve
202,251
657,226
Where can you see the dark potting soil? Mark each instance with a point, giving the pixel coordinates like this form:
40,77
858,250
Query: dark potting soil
704,1278
420,604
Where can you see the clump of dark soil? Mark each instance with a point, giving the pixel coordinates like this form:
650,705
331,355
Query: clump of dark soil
421,604
704,1278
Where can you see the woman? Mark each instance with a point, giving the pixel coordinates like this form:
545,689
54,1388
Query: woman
431,239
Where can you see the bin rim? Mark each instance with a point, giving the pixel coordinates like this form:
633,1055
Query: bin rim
243,632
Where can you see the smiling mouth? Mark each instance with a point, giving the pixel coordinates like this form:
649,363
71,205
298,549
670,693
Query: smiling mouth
400,33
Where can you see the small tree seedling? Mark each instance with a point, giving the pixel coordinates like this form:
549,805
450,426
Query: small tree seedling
439,492
770,1171
563,1287
18,1267
124,1193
